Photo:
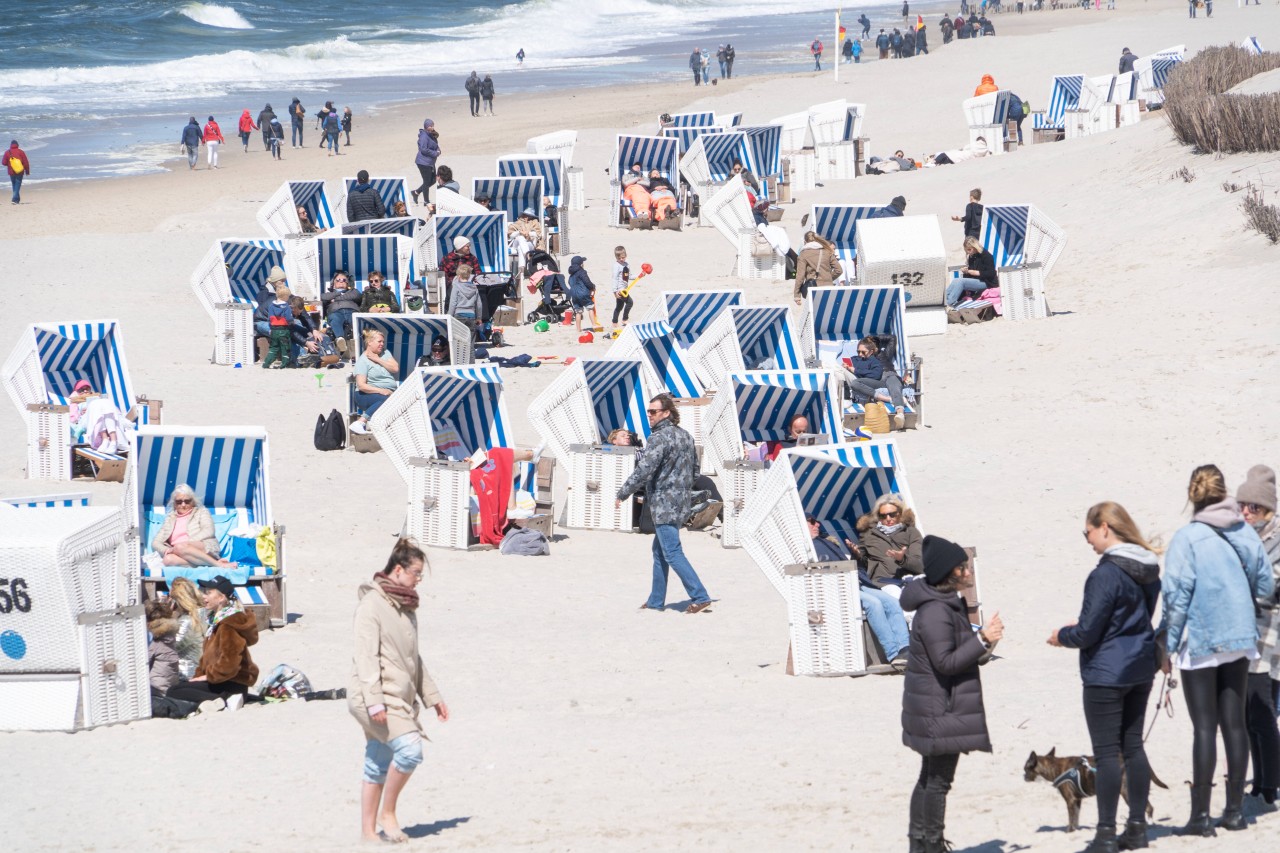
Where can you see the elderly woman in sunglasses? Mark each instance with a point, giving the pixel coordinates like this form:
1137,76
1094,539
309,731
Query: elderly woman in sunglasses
187,536
891,542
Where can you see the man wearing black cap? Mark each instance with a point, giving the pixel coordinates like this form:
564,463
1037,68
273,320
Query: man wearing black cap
942,710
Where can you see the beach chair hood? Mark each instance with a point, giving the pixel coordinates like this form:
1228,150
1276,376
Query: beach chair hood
755,406
50,358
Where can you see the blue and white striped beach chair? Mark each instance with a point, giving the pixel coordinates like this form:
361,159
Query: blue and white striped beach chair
404,226
39,375
1153,70
1050,122
227,282
229,469
1252,46
513,196
689,135
650,152
409,338
279,216
588,400
391,190
839,224
747,337
391,255
764,152
988,117
729,210
695,119
690,312
667,365
46,501
486,231
1021,234
708,162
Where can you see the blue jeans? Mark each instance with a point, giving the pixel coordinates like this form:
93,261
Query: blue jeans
884,615
340,322
958,286
297,133
16,180
333,142
193,151
817,62
405,751
722,69
367,404
667,554
262,328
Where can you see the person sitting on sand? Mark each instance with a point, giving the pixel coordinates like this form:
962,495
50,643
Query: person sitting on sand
979,274
977,148
187,537
226,670
193,622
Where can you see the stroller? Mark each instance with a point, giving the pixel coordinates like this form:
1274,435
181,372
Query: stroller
545,278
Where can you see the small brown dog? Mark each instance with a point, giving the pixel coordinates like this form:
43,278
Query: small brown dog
1073,776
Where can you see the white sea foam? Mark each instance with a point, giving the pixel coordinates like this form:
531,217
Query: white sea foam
212,15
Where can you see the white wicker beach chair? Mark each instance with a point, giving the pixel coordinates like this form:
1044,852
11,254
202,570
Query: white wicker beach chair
1153,71
390,254
729,210
73,654
586,402
391,190
409,338
1252,46
1048,124
839,224
907,252
651,152
229,469
561,144
42,370
689,313
747,337
454,204
227,281
988,117
707,161
1093,112
279,216
667,369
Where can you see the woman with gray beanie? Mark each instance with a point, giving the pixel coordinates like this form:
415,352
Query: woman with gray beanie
1257,499
942,710
428,153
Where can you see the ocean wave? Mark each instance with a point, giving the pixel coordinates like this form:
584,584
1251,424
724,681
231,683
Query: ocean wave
212,15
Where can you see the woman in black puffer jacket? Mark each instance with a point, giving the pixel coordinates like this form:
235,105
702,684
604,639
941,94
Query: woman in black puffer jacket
942,711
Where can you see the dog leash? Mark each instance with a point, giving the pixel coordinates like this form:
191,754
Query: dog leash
1165,702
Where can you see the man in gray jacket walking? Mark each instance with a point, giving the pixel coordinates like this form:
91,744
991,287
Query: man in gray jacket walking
666,470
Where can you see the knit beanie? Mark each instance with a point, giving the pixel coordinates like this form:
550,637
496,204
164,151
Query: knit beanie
1259,487
941,557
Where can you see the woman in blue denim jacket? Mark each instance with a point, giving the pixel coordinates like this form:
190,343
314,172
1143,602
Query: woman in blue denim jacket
1215,568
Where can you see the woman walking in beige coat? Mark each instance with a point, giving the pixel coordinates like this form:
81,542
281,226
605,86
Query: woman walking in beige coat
388,687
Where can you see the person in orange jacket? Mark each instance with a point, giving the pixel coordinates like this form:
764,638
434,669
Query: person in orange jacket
247,126
988,84
212,140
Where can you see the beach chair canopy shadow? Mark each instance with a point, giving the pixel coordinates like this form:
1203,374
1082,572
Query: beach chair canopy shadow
279,216
1063,95
391,190
839,224
587,401
389,254
836,318
443,412
235,270
755,406
409,337
747,337
689,313
229,470
49,358
835,484
558,143
487,232
1020,234
666,363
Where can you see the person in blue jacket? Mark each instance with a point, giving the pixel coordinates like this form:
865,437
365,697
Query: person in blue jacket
1117,665
428,153
191,138
582,293
1216,568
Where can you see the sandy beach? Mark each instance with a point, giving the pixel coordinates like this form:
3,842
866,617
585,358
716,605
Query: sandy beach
578,722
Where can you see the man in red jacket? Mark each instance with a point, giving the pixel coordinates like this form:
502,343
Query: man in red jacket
15,159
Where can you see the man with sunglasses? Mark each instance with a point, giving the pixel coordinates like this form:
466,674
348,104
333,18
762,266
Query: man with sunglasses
666,471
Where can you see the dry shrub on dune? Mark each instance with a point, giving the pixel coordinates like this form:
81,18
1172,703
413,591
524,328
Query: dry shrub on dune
1202,114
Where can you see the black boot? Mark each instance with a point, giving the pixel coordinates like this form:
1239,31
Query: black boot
1135,836
1104,840
1200,823
1232,816
936,844
915,844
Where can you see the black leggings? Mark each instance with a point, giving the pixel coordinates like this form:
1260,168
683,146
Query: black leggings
428,180
203,691
622,305
1264,737
1215,700
929,797
1114,716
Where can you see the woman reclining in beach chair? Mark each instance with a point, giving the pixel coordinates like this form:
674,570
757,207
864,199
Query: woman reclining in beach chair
977,148
648,201
96,421
187,537
870,374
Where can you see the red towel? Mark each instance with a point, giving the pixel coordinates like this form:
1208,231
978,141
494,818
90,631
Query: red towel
492,484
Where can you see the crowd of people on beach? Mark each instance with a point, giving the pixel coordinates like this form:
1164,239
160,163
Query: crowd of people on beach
700,64
331,125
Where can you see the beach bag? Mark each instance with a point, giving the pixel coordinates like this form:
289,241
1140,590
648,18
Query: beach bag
16,165
969,316
761,247
331,432
876,419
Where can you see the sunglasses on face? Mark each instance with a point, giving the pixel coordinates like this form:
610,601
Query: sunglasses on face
654,411
1253,509
892,514
181,501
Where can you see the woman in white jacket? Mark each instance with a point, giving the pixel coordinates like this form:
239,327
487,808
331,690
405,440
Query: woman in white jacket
389,684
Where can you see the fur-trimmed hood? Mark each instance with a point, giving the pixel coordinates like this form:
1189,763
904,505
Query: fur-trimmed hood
163,629
870,520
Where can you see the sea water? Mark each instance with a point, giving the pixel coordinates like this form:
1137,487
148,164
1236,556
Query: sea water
103,89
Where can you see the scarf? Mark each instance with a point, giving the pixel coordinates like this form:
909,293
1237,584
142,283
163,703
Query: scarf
405,596
231,608
888,529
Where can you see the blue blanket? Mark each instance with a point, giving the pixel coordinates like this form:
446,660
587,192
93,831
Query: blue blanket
238,575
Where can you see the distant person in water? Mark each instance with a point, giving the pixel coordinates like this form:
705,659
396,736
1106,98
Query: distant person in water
520,56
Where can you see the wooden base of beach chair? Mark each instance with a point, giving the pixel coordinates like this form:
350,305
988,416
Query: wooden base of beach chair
106,467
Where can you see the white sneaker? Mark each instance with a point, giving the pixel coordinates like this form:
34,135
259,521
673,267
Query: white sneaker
359,427
235,701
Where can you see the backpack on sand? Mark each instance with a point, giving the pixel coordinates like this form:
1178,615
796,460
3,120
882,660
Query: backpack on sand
331,432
